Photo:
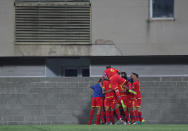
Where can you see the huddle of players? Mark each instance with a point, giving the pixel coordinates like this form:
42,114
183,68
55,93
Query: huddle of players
119,96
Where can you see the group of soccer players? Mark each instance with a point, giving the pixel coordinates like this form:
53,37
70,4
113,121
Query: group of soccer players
116,98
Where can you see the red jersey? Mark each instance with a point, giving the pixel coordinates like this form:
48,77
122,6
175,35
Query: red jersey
136,87
130,95
128,84
107,86
110,72
122,88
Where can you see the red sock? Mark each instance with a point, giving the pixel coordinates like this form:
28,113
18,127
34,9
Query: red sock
107,116
132,116
136,115
127,115
118,114
90,116
112,117
124,118
102,116
98,119
140,116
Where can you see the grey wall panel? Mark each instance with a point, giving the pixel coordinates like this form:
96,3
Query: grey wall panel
22,71
144,70
68,100
126,22
7,27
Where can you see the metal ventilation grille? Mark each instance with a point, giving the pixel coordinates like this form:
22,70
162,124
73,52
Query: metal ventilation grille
52,22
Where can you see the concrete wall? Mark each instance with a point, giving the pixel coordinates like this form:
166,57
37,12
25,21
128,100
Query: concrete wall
7,25
125,22
67,100
22,67
22,71
144,69
55,67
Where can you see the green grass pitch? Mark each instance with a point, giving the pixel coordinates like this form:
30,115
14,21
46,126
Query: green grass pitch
95,128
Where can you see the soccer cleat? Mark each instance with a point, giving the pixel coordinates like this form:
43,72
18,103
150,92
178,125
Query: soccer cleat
134,123
124,123
128,123
122,103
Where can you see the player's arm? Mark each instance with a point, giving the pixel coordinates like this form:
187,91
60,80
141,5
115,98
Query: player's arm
103,90
125,83
132,90
116,70
125,87
108,91
91,87
103,87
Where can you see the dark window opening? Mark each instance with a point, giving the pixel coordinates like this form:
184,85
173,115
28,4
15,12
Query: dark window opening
162,8
71,73
85,72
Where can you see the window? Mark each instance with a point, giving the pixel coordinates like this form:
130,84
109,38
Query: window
71,73
74,71
85,72
161,9
52,21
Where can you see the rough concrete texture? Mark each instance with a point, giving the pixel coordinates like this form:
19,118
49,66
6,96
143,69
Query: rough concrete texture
68,50
125,22
67,100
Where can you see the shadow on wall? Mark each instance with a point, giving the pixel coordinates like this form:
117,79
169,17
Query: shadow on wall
84,115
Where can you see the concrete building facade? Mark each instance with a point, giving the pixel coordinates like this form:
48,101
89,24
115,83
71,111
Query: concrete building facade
71,40
121,28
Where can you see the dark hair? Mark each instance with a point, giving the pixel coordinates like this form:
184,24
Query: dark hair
125,75
100,80
108,66
135,74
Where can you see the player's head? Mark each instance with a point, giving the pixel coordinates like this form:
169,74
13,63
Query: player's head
108,66
124,75
134,76
100,80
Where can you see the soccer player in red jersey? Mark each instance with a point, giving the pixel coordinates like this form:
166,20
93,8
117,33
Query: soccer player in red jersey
109,101
113,75
124,95
136,86
111,104
131,100
131,107
97,102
